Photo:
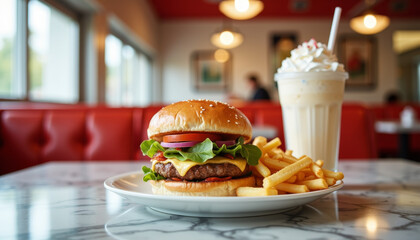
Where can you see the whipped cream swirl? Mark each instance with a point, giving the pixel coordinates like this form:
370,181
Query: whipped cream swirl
311,56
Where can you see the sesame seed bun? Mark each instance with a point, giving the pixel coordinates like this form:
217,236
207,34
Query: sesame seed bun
199,116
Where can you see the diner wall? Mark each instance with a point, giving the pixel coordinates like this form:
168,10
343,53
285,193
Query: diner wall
179,39
138,16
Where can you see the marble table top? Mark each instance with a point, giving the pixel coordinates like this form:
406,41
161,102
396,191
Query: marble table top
66,200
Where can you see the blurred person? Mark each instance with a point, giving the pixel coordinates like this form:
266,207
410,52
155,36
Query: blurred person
258,91
392,97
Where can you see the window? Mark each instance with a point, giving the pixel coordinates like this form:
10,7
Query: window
53,54
128,78
9,51
51,47
113,61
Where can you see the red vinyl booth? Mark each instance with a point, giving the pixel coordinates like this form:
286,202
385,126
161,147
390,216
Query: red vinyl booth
357,135
31,137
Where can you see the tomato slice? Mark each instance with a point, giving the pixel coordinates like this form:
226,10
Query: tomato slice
228,156
188,137
217,179
159,156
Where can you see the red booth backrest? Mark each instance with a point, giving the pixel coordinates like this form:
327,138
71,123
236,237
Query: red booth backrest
30,137
357,136
272,117
65,135
21,139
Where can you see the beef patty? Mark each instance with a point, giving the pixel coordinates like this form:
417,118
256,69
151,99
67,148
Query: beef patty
201,172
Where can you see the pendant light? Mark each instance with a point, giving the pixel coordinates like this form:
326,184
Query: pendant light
369,23
241,9
221,55
226,38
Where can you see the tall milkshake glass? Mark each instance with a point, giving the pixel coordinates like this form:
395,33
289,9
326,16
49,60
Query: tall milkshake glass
311,103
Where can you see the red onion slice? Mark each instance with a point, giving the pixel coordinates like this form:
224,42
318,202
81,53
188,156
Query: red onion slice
227,143
178,144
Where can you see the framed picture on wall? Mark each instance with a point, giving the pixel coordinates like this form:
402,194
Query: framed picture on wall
358,54
211,69
280,46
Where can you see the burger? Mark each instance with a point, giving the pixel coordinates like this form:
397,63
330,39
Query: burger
198,148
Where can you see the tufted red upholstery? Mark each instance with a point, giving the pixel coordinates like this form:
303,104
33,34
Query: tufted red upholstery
65,135
357,136
34,136
109,134
22,139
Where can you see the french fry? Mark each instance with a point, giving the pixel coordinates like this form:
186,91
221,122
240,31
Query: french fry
286,173
274,163
317,170
316,184
289,152
254,192
260,142
262,169
336,175
292,179
330,181
292,188
255,172
280,172
272,144
300,176
320,163
310,177
276,153
289,159
307,172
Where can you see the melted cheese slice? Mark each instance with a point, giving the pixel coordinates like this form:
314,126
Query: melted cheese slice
183,166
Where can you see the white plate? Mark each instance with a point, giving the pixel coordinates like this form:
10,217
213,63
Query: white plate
132,187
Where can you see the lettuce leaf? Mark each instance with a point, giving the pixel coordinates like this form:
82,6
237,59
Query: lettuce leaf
151,147
149,174
200,152
204,151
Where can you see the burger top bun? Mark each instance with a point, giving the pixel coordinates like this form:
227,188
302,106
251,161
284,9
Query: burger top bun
199,116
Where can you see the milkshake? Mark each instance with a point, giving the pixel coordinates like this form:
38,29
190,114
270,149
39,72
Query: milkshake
311,88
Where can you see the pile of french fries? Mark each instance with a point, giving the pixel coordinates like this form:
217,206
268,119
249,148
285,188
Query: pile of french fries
279,172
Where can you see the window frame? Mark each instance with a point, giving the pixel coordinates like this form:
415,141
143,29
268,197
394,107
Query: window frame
126,42
22,67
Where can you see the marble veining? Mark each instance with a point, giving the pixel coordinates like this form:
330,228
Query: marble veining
66,200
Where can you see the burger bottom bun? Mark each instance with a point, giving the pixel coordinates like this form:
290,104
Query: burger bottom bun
203,189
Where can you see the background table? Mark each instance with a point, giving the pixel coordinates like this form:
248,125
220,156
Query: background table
62,200
403,131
